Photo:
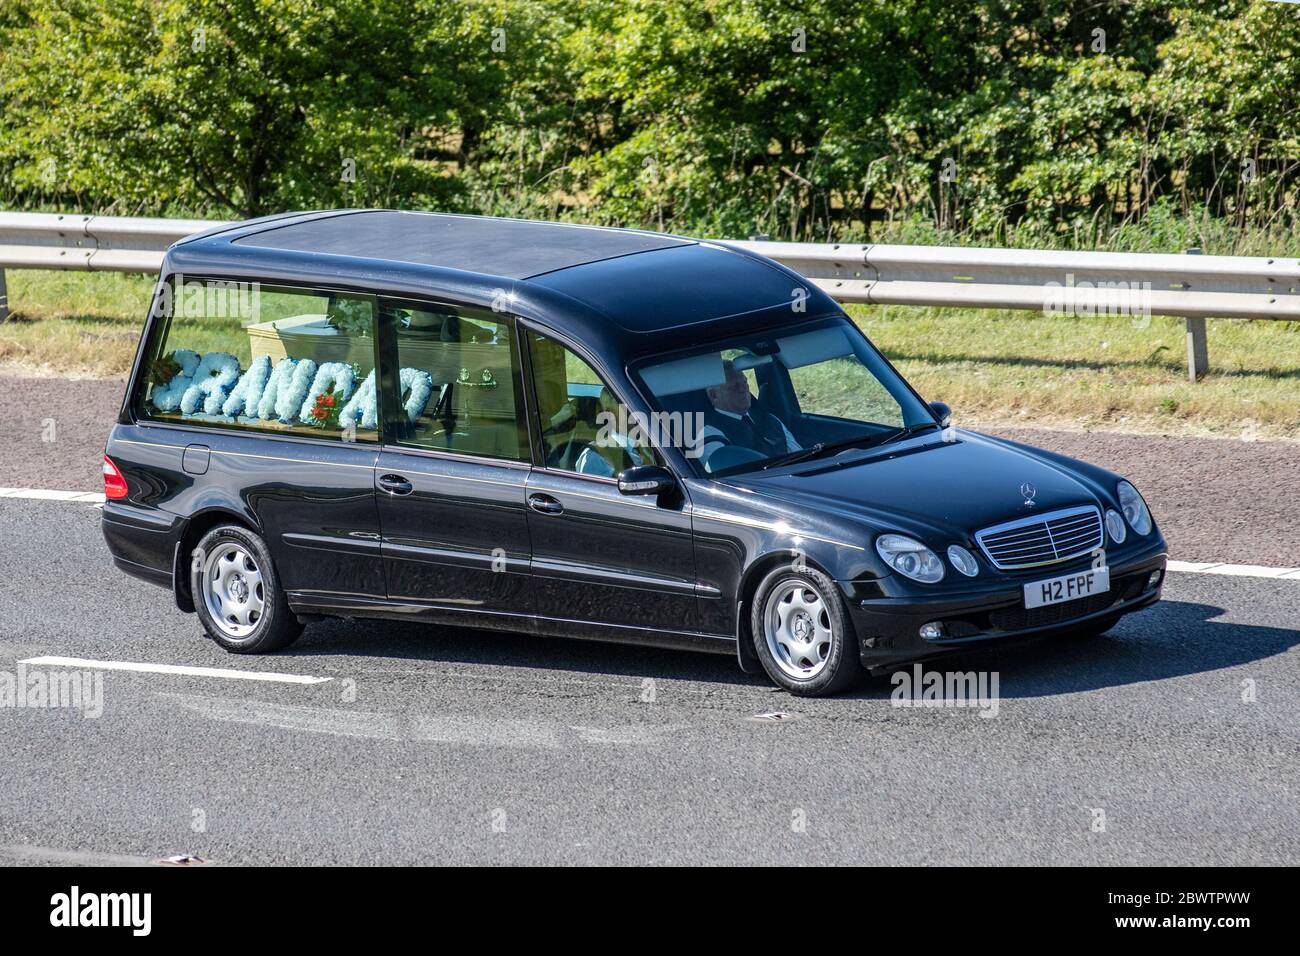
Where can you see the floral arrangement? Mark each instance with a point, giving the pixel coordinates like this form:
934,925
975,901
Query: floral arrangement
244,398
335,379
362,409
417,386
324,413
215,374
286,390
324,396
350,316
166,396
163,370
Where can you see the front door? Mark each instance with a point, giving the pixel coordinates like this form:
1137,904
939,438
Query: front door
621,561
450,481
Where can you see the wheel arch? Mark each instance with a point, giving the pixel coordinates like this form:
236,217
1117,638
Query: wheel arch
196,526
759,569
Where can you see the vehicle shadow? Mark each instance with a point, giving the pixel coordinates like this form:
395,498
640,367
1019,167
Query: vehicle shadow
444,644
1171,639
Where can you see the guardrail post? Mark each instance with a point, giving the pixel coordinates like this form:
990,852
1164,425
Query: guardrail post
1198,359
1198,355
4,298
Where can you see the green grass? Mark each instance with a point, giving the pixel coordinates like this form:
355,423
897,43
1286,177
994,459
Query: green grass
998,368
993,368
77,323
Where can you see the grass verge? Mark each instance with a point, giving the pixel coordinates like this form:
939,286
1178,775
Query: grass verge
993,368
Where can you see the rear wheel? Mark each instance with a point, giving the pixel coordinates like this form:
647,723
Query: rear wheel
237,593
802,633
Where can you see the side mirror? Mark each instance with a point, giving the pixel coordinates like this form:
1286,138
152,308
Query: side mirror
942,412
646,480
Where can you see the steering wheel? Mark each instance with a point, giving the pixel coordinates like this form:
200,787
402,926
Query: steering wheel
565,455
729,456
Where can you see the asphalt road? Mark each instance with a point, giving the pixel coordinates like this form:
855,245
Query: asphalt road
444,746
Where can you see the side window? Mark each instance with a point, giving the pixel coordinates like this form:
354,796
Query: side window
460,380
585,429
251,356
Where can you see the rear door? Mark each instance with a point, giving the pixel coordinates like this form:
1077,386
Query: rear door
452,472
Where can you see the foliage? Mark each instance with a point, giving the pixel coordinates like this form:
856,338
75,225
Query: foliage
999,121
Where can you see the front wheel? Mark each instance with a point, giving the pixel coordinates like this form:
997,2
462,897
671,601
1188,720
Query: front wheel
237,593
802,633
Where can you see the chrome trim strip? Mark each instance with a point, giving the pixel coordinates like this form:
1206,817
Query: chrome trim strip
292,461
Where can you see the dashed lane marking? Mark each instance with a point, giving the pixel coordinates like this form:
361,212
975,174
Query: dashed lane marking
176,670
46,494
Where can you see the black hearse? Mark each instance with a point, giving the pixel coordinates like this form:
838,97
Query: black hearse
581,432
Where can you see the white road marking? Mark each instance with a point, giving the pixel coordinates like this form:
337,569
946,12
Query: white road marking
444,728
1235,570
45,494
1185,567
27,855
175,669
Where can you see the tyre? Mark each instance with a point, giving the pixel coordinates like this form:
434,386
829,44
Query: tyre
802,633
237,594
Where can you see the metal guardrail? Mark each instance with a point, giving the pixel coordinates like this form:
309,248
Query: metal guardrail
1050,281
33,240
1225,287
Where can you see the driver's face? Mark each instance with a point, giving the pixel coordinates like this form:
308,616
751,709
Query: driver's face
733,395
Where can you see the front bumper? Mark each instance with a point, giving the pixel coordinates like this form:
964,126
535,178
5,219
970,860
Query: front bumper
888,627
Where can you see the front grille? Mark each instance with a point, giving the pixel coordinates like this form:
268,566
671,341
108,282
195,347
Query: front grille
1043,539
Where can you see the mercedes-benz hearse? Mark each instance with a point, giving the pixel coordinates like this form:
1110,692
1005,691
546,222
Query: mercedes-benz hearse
586,433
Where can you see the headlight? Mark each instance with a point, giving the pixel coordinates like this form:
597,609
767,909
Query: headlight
1115,525
910,558
963,560
1134,508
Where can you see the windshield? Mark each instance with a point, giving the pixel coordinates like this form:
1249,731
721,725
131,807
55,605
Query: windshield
778,397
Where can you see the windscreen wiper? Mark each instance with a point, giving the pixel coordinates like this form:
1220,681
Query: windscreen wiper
823,448
907,431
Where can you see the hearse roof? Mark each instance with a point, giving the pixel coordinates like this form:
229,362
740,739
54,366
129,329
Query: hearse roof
643,282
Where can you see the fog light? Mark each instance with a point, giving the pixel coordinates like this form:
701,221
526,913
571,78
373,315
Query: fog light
1154,578
932,631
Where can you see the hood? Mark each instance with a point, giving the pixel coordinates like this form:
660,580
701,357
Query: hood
929,486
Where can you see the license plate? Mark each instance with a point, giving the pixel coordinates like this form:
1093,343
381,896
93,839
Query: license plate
1068,587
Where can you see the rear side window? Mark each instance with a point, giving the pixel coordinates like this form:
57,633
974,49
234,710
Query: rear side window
250,356
461,387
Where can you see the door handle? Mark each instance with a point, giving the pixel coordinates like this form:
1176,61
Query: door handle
395,484
545,504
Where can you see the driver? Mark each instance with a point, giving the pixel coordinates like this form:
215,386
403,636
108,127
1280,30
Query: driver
734,420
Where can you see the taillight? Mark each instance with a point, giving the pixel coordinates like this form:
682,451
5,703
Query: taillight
114,483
